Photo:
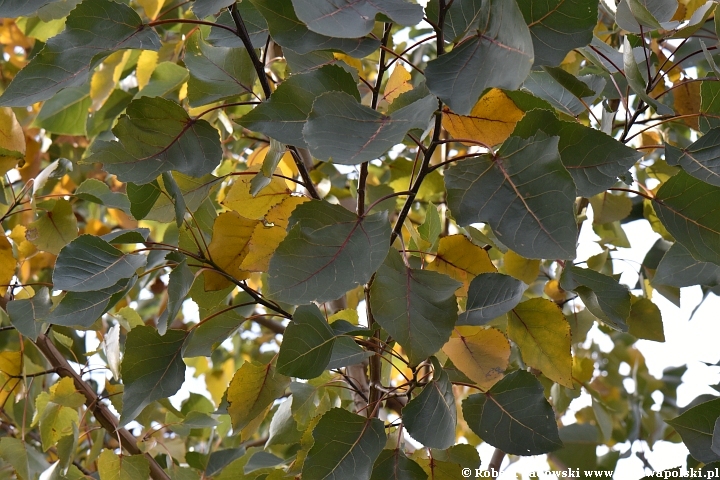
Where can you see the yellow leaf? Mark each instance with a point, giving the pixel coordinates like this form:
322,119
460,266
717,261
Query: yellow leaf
279,215
241,200
353,62
218,379
126,467
228,248
462,260
261,247
10,365
520,267
481,353
254,387
583,369
287,164
151,7
397,84
24,248
687,101
491,120
147,61
12,140
96,227
106,77
541,332
7,265
552,289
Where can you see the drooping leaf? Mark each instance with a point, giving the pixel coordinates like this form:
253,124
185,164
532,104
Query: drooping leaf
637,82
155,136
27,315
89,263
514,416
696,426
491,295
461,260
540,330
499,55
431,417
678,268
416,307
395,465
523,192
346,446
558,26
54,229
341,130
602,295
328,251
480,353
289,32
181,279
152,368
253,387
92,31
307,344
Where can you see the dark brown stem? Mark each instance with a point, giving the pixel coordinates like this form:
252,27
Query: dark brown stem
302,156
188,20
245,38
496,460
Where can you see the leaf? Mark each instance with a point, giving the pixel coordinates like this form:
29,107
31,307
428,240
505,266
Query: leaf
88,263
111,347
95,191
284,114
93,30
194,192
241,200
289,32
252,389
490,296
14,451
499,55
56,421
7,264
307,344
346,446
12,140
636,81
66,112
328,251
540,330
645,321
155,136
523,192
608,208
27,315
514,416
521,268
431,417
688,208
216,73
559,26
397,84
54,229
346,352
82,309
679,269
480,353
632,14
696,426
490,121
602,295
709,103
341,130
701,159
181,279
211,332
11,368
11,9
127,467
164,81
228,248
394,465
152,368
416,307
255,25
460,259
205,8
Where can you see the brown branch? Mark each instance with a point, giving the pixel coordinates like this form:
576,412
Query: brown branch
496,460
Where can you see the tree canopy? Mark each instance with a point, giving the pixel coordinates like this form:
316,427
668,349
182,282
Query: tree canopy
346,233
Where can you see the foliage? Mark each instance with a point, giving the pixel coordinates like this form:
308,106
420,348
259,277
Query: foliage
346,233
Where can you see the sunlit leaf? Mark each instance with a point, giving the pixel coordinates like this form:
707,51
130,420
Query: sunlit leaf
480,353
252,389
461,260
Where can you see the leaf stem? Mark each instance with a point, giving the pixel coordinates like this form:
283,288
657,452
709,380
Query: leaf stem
245,38
191,21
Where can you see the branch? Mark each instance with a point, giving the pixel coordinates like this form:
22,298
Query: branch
245,38
496,460
101,412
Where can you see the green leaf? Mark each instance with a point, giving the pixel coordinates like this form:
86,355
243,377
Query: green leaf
89,263
194,192
678,268
346,446
514,416
129,467
56,421
645,321
27,315
593,170
491,295
690,210
216,73
66,112
352,18
341,130
14,452
283,428
14,8
142,198
103,119
608,208
416,307
328,251
284,114
638,83
431,417
460,18
54,229
523,192
165,80
570,82
346,352
95,191
204,8
499,55
696,426
602,295
152,368
176,197
701,159
289,32
559,26
252,389
631,15
155,136
431,228
709,103
307,344
254,23
542,84
394,465
93,30
181,279
205,337
82,309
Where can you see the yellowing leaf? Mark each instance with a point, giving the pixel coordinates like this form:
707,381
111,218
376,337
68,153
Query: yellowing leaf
262,245
353,62
128,467
687,102
106,76
397,84
462,260
541,332
147,61
254,387
228,248
10,365
287,164
520,267
7,265
608,208
646,321
64,393
151,7
218,379
491,120
279,215
241,200
12,140
552,289
481,353
54,229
